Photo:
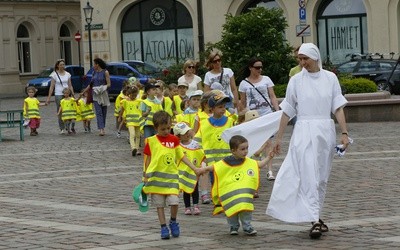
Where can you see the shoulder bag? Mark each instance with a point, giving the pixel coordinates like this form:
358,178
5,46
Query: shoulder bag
269,104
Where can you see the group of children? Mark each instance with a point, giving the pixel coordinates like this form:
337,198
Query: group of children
185,146
70,111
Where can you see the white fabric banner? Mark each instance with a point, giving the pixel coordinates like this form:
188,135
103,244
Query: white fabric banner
256,131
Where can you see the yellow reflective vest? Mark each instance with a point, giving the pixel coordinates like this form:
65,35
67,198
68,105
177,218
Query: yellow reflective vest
187,177
234,186
33,108
210,138
133,114
148,120
177,101
84,111
162,173
68,109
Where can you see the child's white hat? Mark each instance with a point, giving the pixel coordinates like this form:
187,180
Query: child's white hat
181,128
196,93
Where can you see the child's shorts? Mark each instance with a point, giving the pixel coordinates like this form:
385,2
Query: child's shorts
159,200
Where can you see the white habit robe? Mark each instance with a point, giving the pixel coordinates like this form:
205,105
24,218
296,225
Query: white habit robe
300,186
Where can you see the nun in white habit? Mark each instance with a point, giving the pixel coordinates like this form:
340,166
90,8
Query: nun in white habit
300,186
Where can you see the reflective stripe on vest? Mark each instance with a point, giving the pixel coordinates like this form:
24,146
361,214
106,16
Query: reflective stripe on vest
235,185
162,173
187,177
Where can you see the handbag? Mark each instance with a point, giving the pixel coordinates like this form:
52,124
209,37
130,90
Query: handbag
269,104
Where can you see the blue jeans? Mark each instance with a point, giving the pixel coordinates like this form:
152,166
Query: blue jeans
101,115
245,217
57,99
148,131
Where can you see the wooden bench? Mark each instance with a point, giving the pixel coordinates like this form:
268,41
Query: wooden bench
12,119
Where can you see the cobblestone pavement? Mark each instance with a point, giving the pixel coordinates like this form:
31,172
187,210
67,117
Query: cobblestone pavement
74,192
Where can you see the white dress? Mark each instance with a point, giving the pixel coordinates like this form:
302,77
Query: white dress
300,186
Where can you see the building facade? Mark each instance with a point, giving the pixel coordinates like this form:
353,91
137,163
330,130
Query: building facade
36,33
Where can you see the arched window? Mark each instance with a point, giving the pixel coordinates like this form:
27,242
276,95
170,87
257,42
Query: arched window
342,29
24,49
159,32
65,44
268,4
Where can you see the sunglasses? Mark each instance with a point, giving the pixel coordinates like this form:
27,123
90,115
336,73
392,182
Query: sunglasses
190,67
258,67
216,61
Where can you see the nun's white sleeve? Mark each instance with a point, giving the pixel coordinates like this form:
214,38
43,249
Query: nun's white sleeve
338,100
289,103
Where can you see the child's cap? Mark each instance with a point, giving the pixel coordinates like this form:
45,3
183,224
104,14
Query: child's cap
216,86
140,198
181,128
196,93
183,84
251,115
150,86
217,99
132,80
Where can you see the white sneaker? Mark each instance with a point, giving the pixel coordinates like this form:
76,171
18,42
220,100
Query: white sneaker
270,176
62,131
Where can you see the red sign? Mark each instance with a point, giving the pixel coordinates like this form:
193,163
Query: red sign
78,36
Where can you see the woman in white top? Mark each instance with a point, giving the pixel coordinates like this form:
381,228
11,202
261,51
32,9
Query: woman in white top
190,77
220,78
313,95
256,92
60,79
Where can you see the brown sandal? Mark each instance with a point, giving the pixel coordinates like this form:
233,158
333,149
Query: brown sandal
315,231
324,228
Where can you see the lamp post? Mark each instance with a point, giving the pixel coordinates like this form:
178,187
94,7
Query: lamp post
88,10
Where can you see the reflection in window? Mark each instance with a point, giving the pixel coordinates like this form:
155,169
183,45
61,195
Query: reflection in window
24,49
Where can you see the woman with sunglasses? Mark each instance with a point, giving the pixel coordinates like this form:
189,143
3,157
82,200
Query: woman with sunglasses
256,92
60,79
220,78
190,77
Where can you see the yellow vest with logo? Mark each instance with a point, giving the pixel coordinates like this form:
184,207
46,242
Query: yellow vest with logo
148,120
85,111
162,173
33,108
234,186
68,109
132,111
210,138
187,177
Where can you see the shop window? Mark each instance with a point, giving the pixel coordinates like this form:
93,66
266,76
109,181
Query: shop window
342,29
157,32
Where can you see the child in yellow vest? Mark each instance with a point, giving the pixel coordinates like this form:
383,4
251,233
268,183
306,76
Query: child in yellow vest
118,102
236,180
180,98
31,110
131,108
187,178
67,111
149,106
161,175
85,112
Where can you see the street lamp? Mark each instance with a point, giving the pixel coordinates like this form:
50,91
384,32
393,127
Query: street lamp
88,10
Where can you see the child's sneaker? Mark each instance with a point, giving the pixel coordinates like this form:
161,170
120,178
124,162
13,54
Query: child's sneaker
188,211
73,131
250,231
205,199
174,226
233,231
270,176
118,134
164,233
196,210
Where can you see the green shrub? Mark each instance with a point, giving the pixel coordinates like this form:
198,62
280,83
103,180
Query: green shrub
353,85
280,90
